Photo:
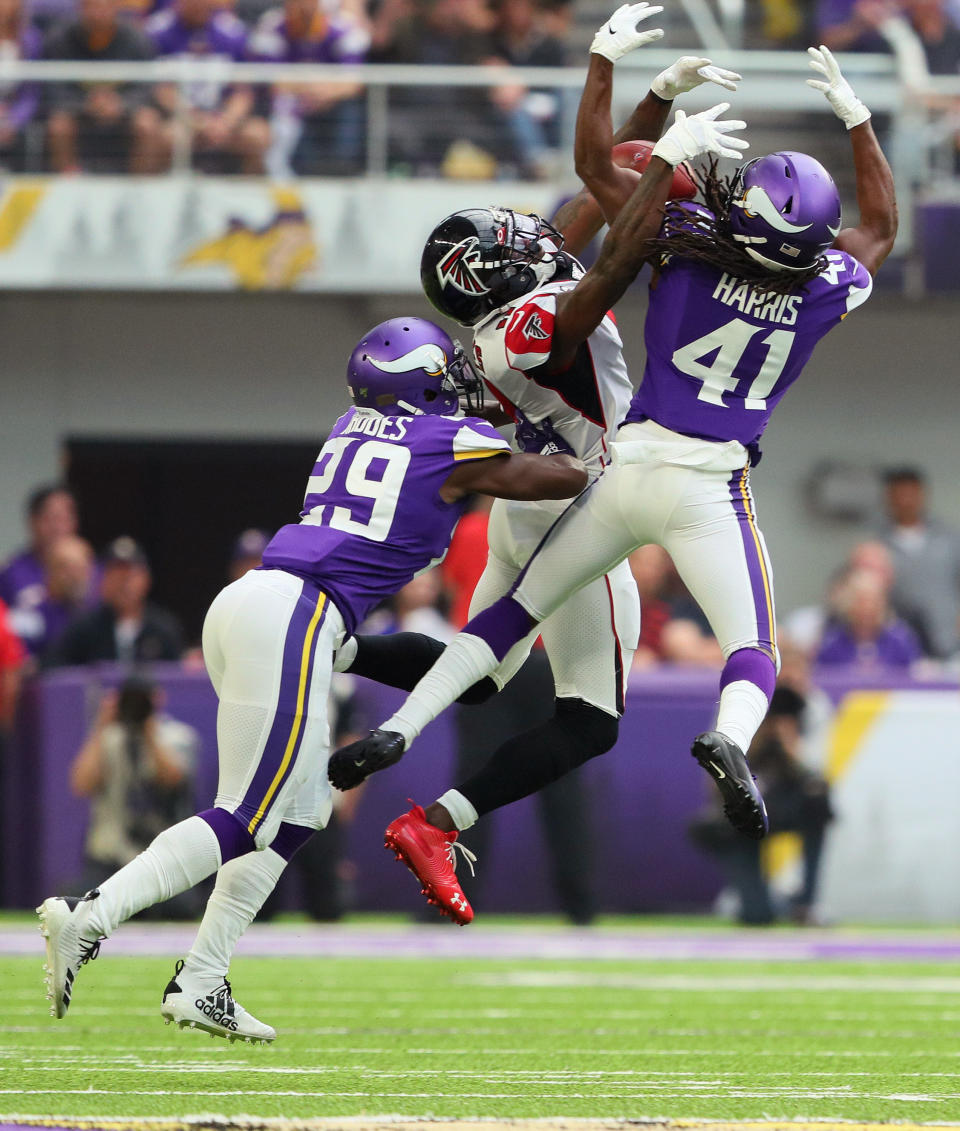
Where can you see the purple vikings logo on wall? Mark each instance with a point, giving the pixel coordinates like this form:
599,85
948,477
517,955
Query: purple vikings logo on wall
457,265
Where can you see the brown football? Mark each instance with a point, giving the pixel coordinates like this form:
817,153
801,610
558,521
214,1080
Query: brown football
636,155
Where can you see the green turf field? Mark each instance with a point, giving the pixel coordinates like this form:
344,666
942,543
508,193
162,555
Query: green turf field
499,1038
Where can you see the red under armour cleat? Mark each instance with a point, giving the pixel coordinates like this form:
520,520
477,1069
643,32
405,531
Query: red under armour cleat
429,853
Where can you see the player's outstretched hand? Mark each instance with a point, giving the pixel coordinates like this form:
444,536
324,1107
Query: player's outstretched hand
838,92
690,71
620,33
692,136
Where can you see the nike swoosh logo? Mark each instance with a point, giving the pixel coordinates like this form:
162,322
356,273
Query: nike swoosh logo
720,774
361,763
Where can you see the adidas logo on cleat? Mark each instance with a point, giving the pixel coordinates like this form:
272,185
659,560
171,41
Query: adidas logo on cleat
212,1010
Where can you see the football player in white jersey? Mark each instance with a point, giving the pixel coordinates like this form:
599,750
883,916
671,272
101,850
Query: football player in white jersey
742,292
556,366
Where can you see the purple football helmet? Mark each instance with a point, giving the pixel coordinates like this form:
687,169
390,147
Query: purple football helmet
785,210
408,367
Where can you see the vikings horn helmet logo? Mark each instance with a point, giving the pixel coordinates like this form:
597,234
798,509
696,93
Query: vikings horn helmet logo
457,265
430,358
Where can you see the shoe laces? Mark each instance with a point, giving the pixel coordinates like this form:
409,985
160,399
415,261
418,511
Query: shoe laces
470,857
89,950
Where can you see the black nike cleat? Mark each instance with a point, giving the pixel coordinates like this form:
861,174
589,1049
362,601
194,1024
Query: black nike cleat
353,764
726,763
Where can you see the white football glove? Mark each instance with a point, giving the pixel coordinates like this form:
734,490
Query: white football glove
620,34
690,71
839,93
691,136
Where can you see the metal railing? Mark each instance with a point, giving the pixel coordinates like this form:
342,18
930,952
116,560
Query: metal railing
922,110
765,86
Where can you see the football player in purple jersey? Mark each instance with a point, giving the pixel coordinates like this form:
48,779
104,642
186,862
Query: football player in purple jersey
743,289
381,503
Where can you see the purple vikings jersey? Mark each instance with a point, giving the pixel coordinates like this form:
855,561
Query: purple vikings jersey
373,517
330,40
222,37
22,581
720,356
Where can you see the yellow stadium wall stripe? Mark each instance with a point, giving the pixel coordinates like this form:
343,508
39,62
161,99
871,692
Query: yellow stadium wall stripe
19,204
855,716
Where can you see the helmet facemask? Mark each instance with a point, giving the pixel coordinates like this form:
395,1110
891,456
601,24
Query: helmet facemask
464,380
532,249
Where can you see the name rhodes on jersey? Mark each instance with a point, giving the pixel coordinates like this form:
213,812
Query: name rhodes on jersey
382,427
770,308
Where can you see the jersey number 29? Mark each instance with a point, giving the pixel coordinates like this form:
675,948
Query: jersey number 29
729,343
374,496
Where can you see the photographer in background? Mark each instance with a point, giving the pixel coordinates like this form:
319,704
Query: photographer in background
798,801
137,767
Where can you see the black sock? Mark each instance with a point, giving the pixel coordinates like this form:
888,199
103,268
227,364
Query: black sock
402,659
576,732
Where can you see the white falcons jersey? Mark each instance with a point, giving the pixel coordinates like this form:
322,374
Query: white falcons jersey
576,411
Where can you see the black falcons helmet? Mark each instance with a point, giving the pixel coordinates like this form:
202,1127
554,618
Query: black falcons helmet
481,259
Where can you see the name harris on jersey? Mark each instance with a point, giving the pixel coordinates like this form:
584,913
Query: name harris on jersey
770,308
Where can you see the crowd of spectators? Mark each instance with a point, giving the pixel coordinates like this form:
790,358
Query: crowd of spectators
321,128
894,603
313,128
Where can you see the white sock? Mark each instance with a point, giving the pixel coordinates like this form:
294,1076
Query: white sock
346,654
178,858
461,810
243,885
465,660
742,709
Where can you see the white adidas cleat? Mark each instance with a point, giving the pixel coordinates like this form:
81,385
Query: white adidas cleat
208,1004
64,923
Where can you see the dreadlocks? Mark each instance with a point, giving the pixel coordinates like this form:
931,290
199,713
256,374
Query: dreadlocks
710,241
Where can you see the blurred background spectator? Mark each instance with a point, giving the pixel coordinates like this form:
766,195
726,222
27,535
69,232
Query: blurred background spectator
18,101
460,131
247,552
522,38
69,589
806,626
936,28
98,127
123,627
865,631
926,563
137,767
51,514
12,659
228,136
853,25
797,800
317,128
